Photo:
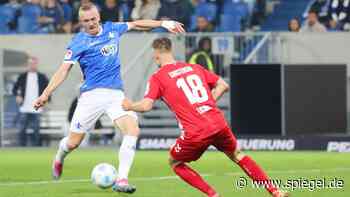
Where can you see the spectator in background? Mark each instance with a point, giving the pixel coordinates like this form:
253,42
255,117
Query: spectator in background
203,56
51,19
9,15
145,9
110,11
243,9
203,25
125,8
235,16
320,7
67,16
294,25
312,24
333,26
179,10
27,88
28,21
259,13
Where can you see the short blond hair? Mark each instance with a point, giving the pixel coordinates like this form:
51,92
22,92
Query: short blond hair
86,7
162,44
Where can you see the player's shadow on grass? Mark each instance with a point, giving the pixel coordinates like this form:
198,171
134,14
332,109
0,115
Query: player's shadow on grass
97,192
91,192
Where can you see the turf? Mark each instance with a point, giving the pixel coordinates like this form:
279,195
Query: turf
21,171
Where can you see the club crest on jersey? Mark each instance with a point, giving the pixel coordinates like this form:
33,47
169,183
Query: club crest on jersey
111,35
108,50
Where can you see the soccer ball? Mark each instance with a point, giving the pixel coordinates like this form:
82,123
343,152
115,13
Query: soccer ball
103,175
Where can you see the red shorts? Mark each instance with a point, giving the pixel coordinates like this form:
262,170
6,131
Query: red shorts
186,150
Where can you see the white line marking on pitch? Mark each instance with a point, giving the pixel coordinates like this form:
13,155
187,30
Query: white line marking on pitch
311,171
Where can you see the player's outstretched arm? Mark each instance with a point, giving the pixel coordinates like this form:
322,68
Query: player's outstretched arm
220,88
171,26
144,105
56,80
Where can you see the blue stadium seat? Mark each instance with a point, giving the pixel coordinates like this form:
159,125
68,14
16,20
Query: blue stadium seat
7,15
283,12
227,7
206,9
27,22
27,25
29,10
4,29
193,23
124,9
230,23
240,8
233,14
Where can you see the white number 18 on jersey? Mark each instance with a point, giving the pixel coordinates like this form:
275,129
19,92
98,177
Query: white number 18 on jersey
193,88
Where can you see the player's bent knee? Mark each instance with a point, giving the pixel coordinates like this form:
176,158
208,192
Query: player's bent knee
134,131
238,155
173,162
74,140
72,145
128,125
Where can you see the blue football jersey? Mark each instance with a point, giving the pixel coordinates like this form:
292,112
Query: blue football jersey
98,56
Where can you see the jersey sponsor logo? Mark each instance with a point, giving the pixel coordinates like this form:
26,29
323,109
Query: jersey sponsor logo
180,71
203,109
68,55
109,50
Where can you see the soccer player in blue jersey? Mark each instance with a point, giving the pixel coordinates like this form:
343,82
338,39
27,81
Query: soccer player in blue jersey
96,49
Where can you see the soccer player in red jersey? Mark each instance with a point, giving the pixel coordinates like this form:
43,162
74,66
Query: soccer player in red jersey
191,92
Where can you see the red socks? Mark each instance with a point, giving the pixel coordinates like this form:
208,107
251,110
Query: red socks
254,171
193,178
249,166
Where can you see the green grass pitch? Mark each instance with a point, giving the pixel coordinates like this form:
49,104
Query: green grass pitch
27,173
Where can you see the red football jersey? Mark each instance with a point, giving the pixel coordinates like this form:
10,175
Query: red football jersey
186,89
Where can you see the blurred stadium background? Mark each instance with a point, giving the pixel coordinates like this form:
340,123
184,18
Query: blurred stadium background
286,60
